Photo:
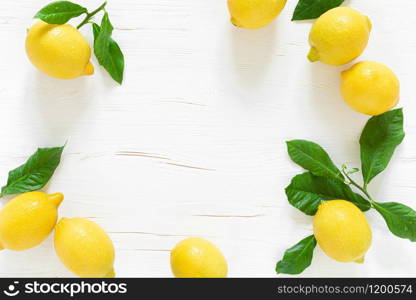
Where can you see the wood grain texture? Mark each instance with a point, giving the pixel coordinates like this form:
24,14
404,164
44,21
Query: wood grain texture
192,144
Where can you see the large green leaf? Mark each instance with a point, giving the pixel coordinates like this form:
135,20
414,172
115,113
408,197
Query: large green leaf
107,51
298,258
380,137
400,219
306,192
60,12
312,9
35,173
314,158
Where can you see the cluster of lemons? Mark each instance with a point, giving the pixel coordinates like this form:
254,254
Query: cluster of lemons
83,246
338,37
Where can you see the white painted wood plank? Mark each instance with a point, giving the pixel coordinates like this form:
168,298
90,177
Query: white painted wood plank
206,108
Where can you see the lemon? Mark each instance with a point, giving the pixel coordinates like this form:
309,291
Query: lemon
339,36
84,248
370,88
59,51
342,231
28,219
197,258
254,14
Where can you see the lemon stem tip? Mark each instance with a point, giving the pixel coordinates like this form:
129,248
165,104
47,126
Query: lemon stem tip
360,260
89,69
313,55
110,274
56,198
234,22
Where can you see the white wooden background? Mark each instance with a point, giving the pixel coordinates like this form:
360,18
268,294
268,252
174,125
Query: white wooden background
192,144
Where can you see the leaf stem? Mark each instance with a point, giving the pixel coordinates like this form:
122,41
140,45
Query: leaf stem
362,189
92,14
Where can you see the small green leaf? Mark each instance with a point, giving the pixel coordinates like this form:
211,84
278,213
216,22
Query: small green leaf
312,9
60,12
312,157
95,30
306,192
107,51
298,258
35,173
400,219
380,137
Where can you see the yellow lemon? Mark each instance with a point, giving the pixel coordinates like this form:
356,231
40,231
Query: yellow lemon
339,36
370,88
28,219
342,231
197,258
254,14
84,248
59,51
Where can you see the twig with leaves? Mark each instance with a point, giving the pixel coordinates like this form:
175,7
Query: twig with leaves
107,51
324,182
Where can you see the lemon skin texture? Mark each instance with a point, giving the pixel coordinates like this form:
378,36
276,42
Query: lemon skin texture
370,88
342,231
59,51
84,248
254,14
28,219
339,36
197,258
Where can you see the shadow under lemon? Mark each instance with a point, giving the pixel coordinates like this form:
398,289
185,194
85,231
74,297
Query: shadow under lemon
326,103
252,52
53,107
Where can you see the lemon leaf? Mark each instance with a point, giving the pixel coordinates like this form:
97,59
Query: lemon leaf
379,139
107,51
297,258
400,219
314,158
306,192
312,9
35,173
60,12
95,30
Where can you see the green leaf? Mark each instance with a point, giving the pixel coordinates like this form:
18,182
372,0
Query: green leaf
60,12
312,9
107,51
312,157
306,192
95,30
400,219
298,258
35,173
380,137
